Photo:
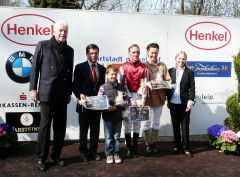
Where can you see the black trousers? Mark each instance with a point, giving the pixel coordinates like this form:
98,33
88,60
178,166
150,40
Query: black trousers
180,123
89,119
58,114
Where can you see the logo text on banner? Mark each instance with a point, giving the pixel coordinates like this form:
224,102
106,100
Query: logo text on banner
208,35
210,69
16,30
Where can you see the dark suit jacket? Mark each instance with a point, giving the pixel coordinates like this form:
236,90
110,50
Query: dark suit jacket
54,73
82,82
187,85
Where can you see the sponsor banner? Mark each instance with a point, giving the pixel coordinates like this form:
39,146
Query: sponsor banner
210,42
208,35
24,122
19,66
25,29
210,69
22,100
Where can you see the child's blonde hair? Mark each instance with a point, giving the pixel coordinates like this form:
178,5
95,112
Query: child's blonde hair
111,68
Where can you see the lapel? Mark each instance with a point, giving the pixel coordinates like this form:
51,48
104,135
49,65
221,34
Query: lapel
88,72
173,75
56,57
184,75
99,73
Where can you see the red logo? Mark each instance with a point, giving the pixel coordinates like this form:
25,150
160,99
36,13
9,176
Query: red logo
208,35
27,29
23,97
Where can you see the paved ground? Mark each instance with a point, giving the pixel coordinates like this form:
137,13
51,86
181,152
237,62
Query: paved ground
206,162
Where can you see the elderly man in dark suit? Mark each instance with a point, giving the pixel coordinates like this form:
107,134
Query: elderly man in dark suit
51,84
88,77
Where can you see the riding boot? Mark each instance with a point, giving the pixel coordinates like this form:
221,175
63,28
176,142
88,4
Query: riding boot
128,145
134,146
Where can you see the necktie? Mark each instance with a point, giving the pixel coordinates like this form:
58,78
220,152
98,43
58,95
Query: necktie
94,75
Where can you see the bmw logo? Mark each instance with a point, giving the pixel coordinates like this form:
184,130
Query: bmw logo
19,66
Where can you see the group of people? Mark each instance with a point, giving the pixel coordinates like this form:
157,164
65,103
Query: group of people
51,83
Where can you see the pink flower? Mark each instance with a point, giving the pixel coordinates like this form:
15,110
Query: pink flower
4,133
229,136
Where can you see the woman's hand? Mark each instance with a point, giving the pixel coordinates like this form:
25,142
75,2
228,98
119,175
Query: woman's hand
188,108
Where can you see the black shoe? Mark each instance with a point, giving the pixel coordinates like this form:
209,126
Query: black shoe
188,154
176,150
41,166
129,153
83,157
96,157
57,161
134,152
154,148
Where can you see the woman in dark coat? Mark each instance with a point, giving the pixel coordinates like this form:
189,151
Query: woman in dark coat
180,100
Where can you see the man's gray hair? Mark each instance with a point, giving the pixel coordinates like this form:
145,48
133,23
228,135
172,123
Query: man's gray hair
60,22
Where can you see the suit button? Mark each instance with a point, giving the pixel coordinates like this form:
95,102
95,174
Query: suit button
51,67
64,78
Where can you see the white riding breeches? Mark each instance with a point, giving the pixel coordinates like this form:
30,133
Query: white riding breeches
154,119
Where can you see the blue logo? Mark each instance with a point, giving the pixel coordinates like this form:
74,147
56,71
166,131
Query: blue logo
210,69
19,66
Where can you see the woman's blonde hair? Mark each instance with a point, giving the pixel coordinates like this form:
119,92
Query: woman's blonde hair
181,52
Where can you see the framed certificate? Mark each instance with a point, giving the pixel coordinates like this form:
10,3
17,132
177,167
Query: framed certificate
96,102
139,113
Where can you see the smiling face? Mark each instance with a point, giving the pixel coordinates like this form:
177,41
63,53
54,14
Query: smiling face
60,32
181,60
112,76
152,54
134,53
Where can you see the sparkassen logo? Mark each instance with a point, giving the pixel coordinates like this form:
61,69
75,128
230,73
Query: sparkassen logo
19,66
208,35
27,29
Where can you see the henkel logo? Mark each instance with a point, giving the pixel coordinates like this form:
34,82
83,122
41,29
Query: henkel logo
208,35
27,29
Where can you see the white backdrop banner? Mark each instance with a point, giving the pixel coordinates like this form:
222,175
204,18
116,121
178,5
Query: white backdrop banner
209,42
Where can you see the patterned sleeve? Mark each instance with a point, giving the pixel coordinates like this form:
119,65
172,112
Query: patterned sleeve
101,90
123,81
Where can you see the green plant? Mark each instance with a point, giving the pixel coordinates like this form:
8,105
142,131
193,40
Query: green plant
233,101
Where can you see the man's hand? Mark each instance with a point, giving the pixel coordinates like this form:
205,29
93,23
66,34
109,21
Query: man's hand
112,108
34,95
133,102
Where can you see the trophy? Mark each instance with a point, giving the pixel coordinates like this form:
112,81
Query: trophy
119,99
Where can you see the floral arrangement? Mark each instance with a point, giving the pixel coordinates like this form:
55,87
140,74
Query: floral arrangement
223,139
8,136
